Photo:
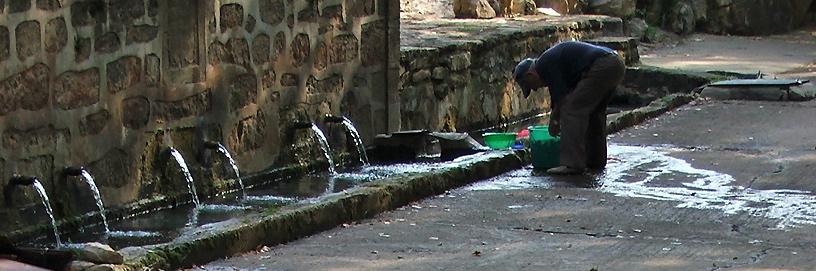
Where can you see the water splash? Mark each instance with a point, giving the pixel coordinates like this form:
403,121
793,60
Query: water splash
44,197
358,141
187,176
223,150
707,190
97,196
324,146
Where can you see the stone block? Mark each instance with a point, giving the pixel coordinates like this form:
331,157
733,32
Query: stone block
56,35
152,69
136,112
107,43
309,13
339,49
440,73
182,25
421,75
239,48
480,9
94,123
360,8
332,19
97,253
232,16
243,91
89,12
124,73
191,106
82,49
218,53
236,51
76,89
49,5
141,33
5,43
124,12
27,90
268,78
43,136
272,11
290,80
459,61
301,48
248,134
79,266
28,39
372,39
260,49
278,46
114,169
331,84
16,6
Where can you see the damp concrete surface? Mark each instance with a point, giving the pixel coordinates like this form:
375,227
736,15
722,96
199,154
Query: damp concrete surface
712,185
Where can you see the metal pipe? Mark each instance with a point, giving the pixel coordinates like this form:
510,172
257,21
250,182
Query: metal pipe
73,171
297,125
20,180
332,118
209,144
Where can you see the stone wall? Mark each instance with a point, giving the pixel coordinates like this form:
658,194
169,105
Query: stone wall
462,84
111,84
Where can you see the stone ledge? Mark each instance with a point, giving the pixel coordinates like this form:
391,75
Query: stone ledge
470,34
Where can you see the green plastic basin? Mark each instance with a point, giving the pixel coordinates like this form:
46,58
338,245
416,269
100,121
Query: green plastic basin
499,141
544,148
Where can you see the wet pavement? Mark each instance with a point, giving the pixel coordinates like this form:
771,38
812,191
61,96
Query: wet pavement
712,185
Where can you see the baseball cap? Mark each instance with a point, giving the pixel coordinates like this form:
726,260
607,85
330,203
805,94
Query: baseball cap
518,75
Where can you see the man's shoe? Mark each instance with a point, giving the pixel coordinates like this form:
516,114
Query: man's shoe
564,170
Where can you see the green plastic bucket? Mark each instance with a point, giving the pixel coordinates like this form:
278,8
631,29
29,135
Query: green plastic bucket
544,148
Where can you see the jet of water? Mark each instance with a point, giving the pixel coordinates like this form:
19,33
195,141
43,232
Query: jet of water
189,178
97,196
44,197
324,146
358,141
223,150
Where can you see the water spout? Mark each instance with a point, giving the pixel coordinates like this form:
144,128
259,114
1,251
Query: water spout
333,119
321,140
223,150
355,135
324,145
187,176
297,125
18,180
80,171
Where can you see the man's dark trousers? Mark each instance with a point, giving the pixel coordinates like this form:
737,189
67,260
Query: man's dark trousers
583,114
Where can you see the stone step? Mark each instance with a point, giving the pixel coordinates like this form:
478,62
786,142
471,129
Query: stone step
625,46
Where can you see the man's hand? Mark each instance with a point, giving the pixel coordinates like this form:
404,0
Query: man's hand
554,128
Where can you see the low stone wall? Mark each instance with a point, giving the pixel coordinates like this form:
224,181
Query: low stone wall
111,84
456,75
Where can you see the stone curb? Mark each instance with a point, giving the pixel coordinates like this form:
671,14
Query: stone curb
619,121
363,202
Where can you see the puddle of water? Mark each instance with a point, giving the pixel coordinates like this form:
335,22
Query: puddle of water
633,171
